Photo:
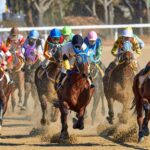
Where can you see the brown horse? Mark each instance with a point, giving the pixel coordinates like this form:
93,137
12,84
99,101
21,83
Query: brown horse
45,87
75,95
18,78
118,86
5,91
142,102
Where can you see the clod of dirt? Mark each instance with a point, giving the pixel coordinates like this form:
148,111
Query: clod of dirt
105,130
126,135
37,132
55,139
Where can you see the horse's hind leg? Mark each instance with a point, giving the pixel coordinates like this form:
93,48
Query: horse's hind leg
110,118
54,113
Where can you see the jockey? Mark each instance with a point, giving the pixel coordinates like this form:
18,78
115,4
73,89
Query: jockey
67,34
94,44
127,35
15,41
54,41
5,60
68,54
32,46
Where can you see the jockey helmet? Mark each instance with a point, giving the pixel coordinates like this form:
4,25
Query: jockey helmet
14,31
34,34
77,40
55,33
66,30
92,36
128,32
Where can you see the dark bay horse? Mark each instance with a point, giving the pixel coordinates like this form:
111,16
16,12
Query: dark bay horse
118,86
29,83
18,78
5,91
141,103
75,95
45,87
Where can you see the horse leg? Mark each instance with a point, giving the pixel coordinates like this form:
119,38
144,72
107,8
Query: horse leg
145,122
20,88
43,102
26,97
64,131
103,105
34,95
110,118
54,113
1,115
123,118
79,124
95,105
139,109
13,102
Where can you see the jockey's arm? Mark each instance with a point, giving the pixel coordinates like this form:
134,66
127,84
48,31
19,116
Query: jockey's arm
8,57
114,50
136,48
140,41
99,51
46,52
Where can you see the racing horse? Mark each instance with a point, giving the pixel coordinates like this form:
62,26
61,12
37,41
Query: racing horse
32,62
75,95
118,84
5,91
45,87
141,103
97,72
18,78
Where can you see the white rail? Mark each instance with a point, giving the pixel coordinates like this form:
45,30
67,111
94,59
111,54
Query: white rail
80,27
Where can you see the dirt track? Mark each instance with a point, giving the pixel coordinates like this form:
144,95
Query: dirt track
17,127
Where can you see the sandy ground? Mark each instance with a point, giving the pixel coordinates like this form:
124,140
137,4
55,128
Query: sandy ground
17,127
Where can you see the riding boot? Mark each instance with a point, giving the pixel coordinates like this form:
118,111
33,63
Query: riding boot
62,76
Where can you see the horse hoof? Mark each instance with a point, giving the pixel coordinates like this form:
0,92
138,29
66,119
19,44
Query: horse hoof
43,122
110,120
23,108
78,126
146,131
64,136
141,136
141,139
20,104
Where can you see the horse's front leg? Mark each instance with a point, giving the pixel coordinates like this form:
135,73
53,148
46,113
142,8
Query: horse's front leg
26,97
110,118
146,119
13,101
79,124
20,87
139,109
64,131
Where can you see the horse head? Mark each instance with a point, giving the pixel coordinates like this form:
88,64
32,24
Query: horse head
56,54
126,55
81,64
